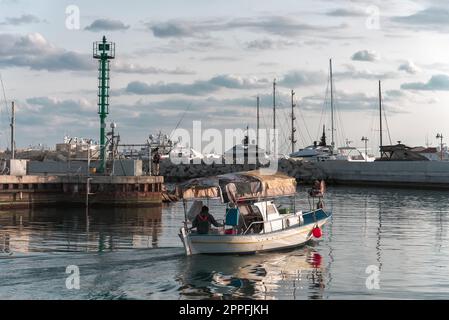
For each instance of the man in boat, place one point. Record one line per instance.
(203, 221)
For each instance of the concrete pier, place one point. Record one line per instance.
(28, 191)
(414, 174)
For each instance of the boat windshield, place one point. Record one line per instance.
(249, 214)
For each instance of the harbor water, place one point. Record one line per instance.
(380, 244)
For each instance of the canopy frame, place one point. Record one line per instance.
(238, 187)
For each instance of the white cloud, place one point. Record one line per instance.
(133, 68)
(107, 25)
(269, 44)
(35, 52)
(302, 78)
(351, 72)
(198, 87)
(435, 18)
(275, 25)
(409, 67)
(365, 55)
(346, 12)
(439, 82)
(21, 20)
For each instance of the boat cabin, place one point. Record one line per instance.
(251, 218)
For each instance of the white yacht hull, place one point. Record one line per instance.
(246, 244)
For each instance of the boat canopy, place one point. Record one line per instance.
(238, 187)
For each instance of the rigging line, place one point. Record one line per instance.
(374, 136)
(339, 117)
(266, 130)
(283, 128)
(386, 122)
(323, 113)
(342, 130)
(286, 127)
(373, 117)
(340, 125)
(282, 109)
(323, 110)
(303, 137)
(298, 123)
(180, 120)
(6, 105)
(305, 124)
(299, 135)
(286, 139)
(263, 118)
(262, 114)
(299, 130)
(4, 93)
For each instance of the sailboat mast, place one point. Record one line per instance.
(293, 121)
(274, 115)
(257, 124)
(13, 125)
(332, 105)
(380, 119)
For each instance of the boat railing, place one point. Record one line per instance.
(270, 223)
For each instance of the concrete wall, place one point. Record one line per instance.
(56, 167)
(17, 167)
(128, 167)
(121, 167)
(28, 191)
(386, 173)
(423, 173)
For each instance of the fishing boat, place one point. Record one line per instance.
(252, 221)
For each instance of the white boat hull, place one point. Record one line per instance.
(246, 244)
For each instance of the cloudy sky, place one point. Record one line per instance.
(208, 60)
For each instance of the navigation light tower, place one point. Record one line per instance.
(103, 51)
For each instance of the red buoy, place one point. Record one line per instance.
(317, 232)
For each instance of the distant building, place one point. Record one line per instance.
(78, 148)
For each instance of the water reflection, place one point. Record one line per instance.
(53, 229)
(403, 232)
(262, 276)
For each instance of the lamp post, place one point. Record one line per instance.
(440, 136)
(365, 139)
